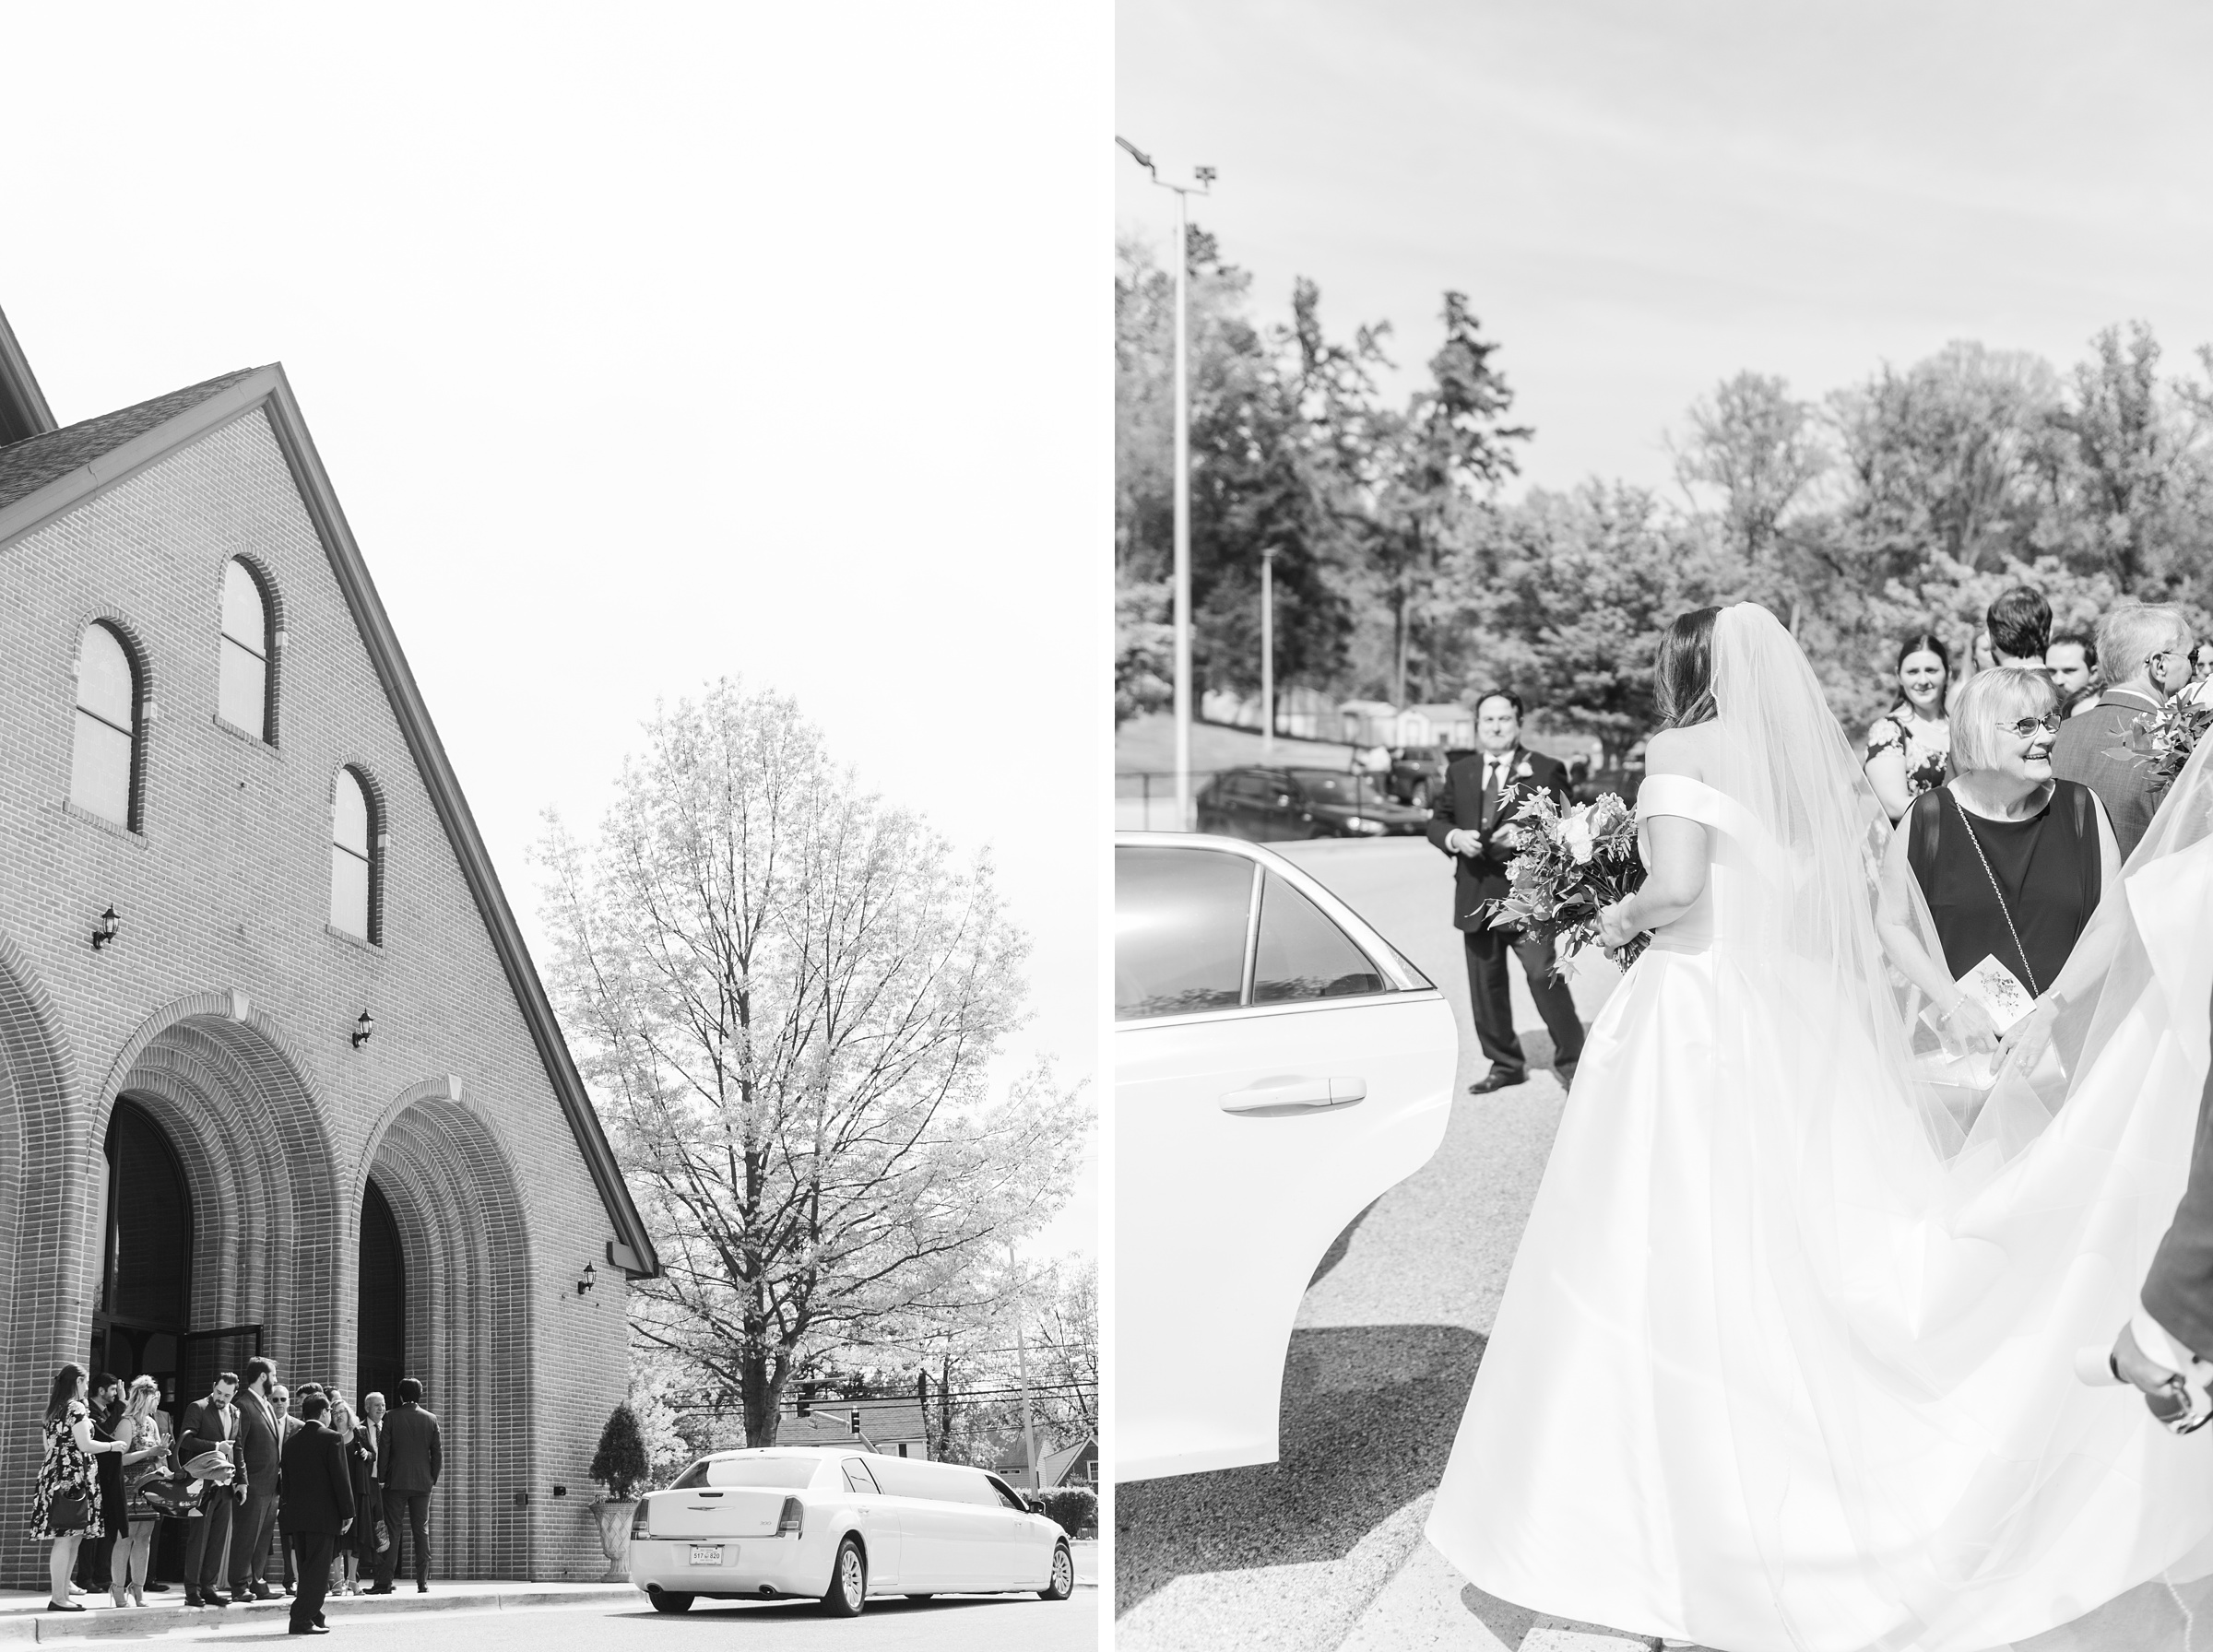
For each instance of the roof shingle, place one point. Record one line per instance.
(30, 464)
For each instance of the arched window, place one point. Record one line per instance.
(244, 698)
(353, 858)
(103, 779)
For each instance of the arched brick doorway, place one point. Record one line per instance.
(216, 1077)
(40, 1131)
(450, 1187)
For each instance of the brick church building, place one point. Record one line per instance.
(277, 1073)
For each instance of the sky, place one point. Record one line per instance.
(646, 344)
(1642, 199)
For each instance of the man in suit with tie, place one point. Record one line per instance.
(209, 1424)
(287, 1426)
(1470, 822)
(412, 1460)
(255, 1522)
(2144, 650)
(318, 1508)
(383, 1561)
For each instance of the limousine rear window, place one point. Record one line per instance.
(772, 1474)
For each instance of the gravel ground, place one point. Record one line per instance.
(1291, 1555)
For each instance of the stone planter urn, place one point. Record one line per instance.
(614, 1535)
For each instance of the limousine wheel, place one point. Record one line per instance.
(848, 1582)
(1064, 1575)
(666, 1601)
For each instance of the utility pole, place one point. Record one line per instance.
(1267, 651)
(1205, 176)
(1022, 1363)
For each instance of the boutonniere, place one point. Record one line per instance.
(1523, 771)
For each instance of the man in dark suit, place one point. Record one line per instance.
(371, 1439)
(318, 1507)
(255, 1522)
(209, 1424)
(412, 1460)
(1469, 821)
(2144, 650)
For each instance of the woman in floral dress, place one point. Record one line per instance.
(67, 1467)
(1910, 747)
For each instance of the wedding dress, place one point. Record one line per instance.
(1787, 1357)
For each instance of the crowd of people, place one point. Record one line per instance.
(255, 1470)
(2016, 798)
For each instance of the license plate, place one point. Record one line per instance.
(706, 1554)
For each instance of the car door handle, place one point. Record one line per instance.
(1295, 1094)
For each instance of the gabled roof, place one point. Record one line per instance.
(23, 409)
(36, 484)
(28, 464)
(830, 1422)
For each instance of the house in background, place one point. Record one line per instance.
(888, 1427)
(1072, 1465)
(1436, 725)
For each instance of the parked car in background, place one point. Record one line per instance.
(1622, 780)
(837, 1526)
(1268, 805)
(1278, 1068)
(1416, 772)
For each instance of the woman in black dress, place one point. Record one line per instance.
(2011, 859)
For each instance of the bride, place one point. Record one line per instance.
(1787, 1357)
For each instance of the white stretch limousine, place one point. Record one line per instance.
(839, 1525)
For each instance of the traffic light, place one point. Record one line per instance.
(857, 1424)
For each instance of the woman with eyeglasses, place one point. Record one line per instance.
(2011, 859)
(1910, 747)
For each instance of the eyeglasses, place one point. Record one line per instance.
(2028, 725)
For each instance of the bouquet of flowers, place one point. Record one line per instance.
(2165, 738)
(1566, 868)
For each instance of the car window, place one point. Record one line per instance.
(1321, 787)
(1303, 954)
(1179, 920)
(858, 1478)
(775, 1473)
(1007, 1497)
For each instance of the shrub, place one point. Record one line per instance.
(1074, 1508)
(621, 1464)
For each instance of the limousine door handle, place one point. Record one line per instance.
(1298, 1094)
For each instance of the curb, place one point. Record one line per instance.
(30, 1628)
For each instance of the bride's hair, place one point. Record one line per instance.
(1683, 670)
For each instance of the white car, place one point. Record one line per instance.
(1278, 1067)
(839, 1525)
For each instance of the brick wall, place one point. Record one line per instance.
(225, 1008)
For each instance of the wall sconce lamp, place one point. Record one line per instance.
(591, 1278)
(104, 931)
(362, 1027)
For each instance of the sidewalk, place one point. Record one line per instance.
(1428, 1604)
(24, 1619)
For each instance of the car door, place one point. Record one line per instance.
(880, 1525)
(1025, 1560)
(1278, 1068)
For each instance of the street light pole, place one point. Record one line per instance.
(1205, 176)
(1267, 651)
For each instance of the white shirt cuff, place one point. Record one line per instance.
(2157, 1346)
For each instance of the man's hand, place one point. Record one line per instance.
(2136, 1367)
(1461, 840)
(346, 1524)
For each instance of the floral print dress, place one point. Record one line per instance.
(64, 1468)
(1927, 749)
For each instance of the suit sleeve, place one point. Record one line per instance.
(189, 1444)
(2179, 1291)
(1442, 820)
(342, 1482)
(437, 1455)
(1555, 781)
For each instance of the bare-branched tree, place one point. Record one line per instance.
(786, 994)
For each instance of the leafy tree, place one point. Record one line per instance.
(1451, 447)
(620, 1463)
(1759, 450)
(788, 994)
(1566, 600)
